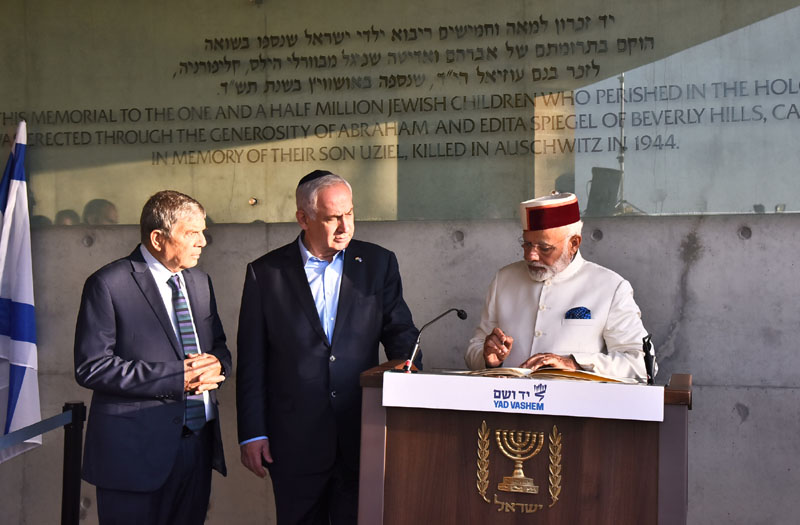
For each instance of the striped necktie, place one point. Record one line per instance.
(195, 416)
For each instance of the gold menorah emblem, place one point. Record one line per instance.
(518, 446)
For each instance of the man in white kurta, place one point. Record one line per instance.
(528, 317)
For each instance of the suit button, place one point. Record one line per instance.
(333, 393)
(177, 421)
(332, 358)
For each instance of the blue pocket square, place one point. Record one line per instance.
(579, 312)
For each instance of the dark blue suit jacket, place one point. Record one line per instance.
(126, 351)
(291, 383)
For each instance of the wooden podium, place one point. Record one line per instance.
(424, 466)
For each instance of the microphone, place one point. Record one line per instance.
(461, 315)
(649, 359)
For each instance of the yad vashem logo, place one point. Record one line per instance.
(519, 446)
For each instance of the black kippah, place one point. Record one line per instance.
(314, 175)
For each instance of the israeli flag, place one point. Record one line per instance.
(19, 384)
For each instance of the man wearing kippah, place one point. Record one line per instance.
(313, 315)
(555, 309)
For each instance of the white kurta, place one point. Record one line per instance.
(533, 314)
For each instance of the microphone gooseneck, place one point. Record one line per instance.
(461, 315)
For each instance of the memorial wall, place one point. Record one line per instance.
(444, 115)
(433, 110)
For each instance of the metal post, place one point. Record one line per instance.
(73, 448)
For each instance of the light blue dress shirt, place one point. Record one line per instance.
(325, 280)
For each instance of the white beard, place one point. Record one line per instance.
(542, 272)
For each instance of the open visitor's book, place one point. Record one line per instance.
(543, 373)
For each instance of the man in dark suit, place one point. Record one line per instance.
(150, 344)
(313, 314)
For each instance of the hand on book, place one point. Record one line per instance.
(562, 362)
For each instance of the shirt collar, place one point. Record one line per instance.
(306, 255)
(159, 271)
(571, 269)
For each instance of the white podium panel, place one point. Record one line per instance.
(524, 395)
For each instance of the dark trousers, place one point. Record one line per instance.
(183, 499)
(328, 498)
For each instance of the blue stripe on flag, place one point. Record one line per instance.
(5, 184)
(17, 321)
(15, 376)
(15, 170)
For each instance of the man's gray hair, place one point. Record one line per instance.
(306, 194)
(164, 209)
(573, 229)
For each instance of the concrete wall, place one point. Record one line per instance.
(717, 292)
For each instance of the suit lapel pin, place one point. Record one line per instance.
(358, 259)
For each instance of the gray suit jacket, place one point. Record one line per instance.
(126, 351)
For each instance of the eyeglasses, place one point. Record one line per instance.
(541, 248)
